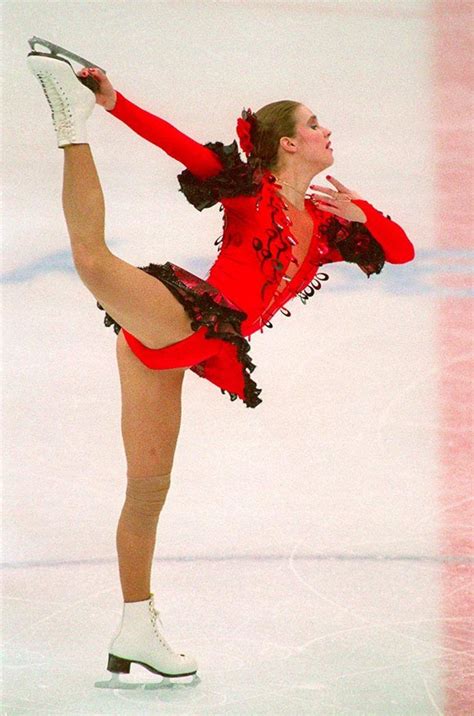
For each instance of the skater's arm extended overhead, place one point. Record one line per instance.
(201, 161)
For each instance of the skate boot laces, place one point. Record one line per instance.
(155, 616)
(55, 96)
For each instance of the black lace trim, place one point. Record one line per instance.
(109, 321)
(314, 285)
(355, 243)
(204, 304)
(277, 242)
(235, 179)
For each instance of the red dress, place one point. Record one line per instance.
(269, 252)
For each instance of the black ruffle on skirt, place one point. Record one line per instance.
(206, 306)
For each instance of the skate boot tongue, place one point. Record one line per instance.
(155, 615)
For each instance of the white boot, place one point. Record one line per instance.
(71, 102)
(140, 641)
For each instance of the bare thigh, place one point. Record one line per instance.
(137, 301)
(151, 413)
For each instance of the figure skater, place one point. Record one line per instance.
(276, 236)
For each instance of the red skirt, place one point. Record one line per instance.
(216, 350)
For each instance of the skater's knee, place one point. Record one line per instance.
(145, 497)
(90, 262)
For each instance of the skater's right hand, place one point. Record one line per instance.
(105, 95)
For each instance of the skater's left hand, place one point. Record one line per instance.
(338, 201)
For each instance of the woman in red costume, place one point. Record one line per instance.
(276, 237)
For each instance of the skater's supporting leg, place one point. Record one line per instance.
(151, 419)
(136, 533)
(134, 299)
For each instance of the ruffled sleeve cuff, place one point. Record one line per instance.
(355, 244)
(235, 179)
(391, 237)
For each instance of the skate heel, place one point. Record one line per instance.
(117, 665)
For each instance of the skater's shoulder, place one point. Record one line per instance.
(233, 181)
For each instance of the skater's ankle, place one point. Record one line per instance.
(128, 599)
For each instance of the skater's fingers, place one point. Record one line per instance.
(90, 70)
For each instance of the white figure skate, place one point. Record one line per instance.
(71, 102)
(139, 641)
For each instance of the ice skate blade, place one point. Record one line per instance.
(166, 683)
(57, 50)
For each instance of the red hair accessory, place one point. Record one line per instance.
(245, 125)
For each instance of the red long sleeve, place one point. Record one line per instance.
(200, 160)
(397, 246)
(204, 163)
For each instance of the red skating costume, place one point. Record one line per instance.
(269, 252)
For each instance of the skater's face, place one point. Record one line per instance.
(309, 145)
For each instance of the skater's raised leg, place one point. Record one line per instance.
(83, 204)
(135, 300)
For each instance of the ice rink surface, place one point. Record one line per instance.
(314, 553)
